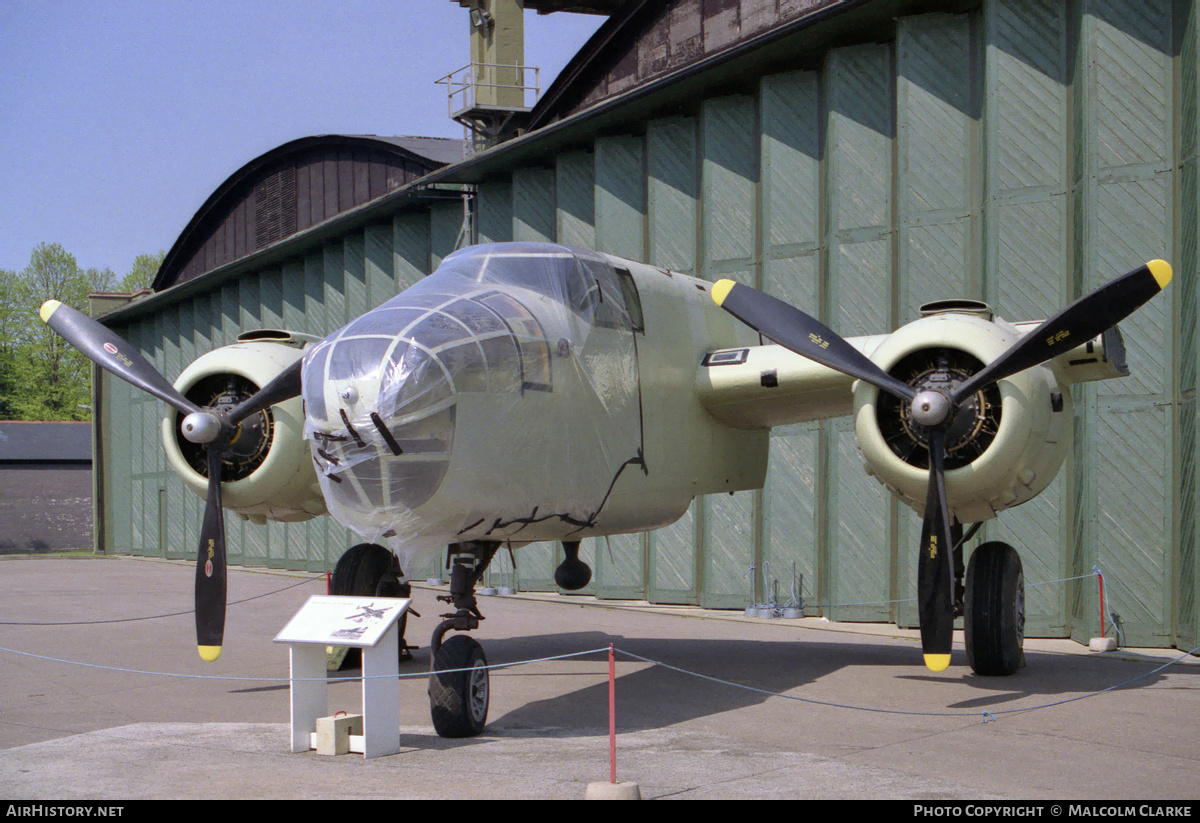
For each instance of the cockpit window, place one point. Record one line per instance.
(531, 340)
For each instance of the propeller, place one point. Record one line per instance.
(214, 429)
(936, 411)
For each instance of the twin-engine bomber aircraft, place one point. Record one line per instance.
(527, 392)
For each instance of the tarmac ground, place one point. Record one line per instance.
(116, 704)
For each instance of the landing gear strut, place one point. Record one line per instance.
(458, 677)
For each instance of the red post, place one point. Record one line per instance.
(1100, 576)
(612, 716)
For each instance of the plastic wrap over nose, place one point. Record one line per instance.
(385, 431)
(498, 392)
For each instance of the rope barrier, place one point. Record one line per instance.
(153, 616)
(987, 715)
(1095, 573)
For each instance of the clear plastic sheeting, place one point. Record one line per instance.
(496, 399)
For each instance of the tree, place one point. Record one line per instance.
(12, 333)
(42, 377)
(53, 378)
(145, 268)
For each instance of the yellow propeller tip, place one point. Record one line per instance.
(209, 653)
(48, 308)
(720, 290)
(1161, 270)
(937, 662)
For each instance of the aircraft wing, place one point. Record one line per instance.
(764, 386)
(756, 387)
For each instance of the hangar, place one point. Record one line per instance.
(856, 158)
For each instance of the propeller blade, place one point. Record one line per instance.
(803, 334)
(1090, 315)
(111, 353)
(284, 386)
(210, 567)
(935, 568)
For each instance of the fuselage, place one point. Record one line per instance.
(523, 392)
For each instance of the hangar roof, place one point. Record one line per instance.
(293, 187)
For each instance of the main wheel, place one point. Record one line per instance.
(458, 700)
(994, 614)
(370, 570)
(360, 570)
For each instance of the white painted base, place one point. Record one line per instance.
(1103, 644)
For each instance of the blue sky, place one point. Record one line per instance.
(118, 119)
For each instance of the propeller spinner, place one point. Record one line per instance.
(216, 431)
(936, 411)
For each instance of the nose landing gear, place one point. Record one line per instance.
(458, 677)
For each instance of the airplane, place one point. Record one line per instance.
(528, 392)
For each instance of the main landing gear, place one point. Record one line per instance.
(458, 677)
(371, 570)
(994, 614)
(992, 605)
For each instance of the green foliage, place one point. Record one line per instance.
(41, 376)
(145, 267)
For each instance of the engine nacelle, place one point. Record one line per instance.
(1006, 444)
(270, 476)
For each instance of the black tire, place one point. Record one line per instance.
(370, 570)
(360, 569)
(458, 700)
(994, 610)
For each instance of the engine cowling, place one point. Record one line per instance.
(270, 475)
(1007, 442)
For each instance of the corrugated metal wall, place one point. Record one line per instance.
(1020, 154)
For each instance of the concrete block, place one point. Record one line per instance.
(333, 733)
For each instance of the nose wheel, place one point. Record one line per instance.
(458, 677)
(458, 688)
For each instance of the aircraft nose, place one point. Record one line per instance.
(379, 415)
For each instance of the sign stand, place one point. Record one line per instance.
(367, 623)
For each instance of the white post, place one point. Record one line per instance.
(309, 692)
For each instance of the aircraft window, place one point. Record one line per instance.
(550, 274)
(475, 317)
(613, 297)
(633, 300)
(384, 320)
(531, 340)
(466, 366)
(358, 357)
(380, 480)
(422, 382)
(436, 329)
(504, 363)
